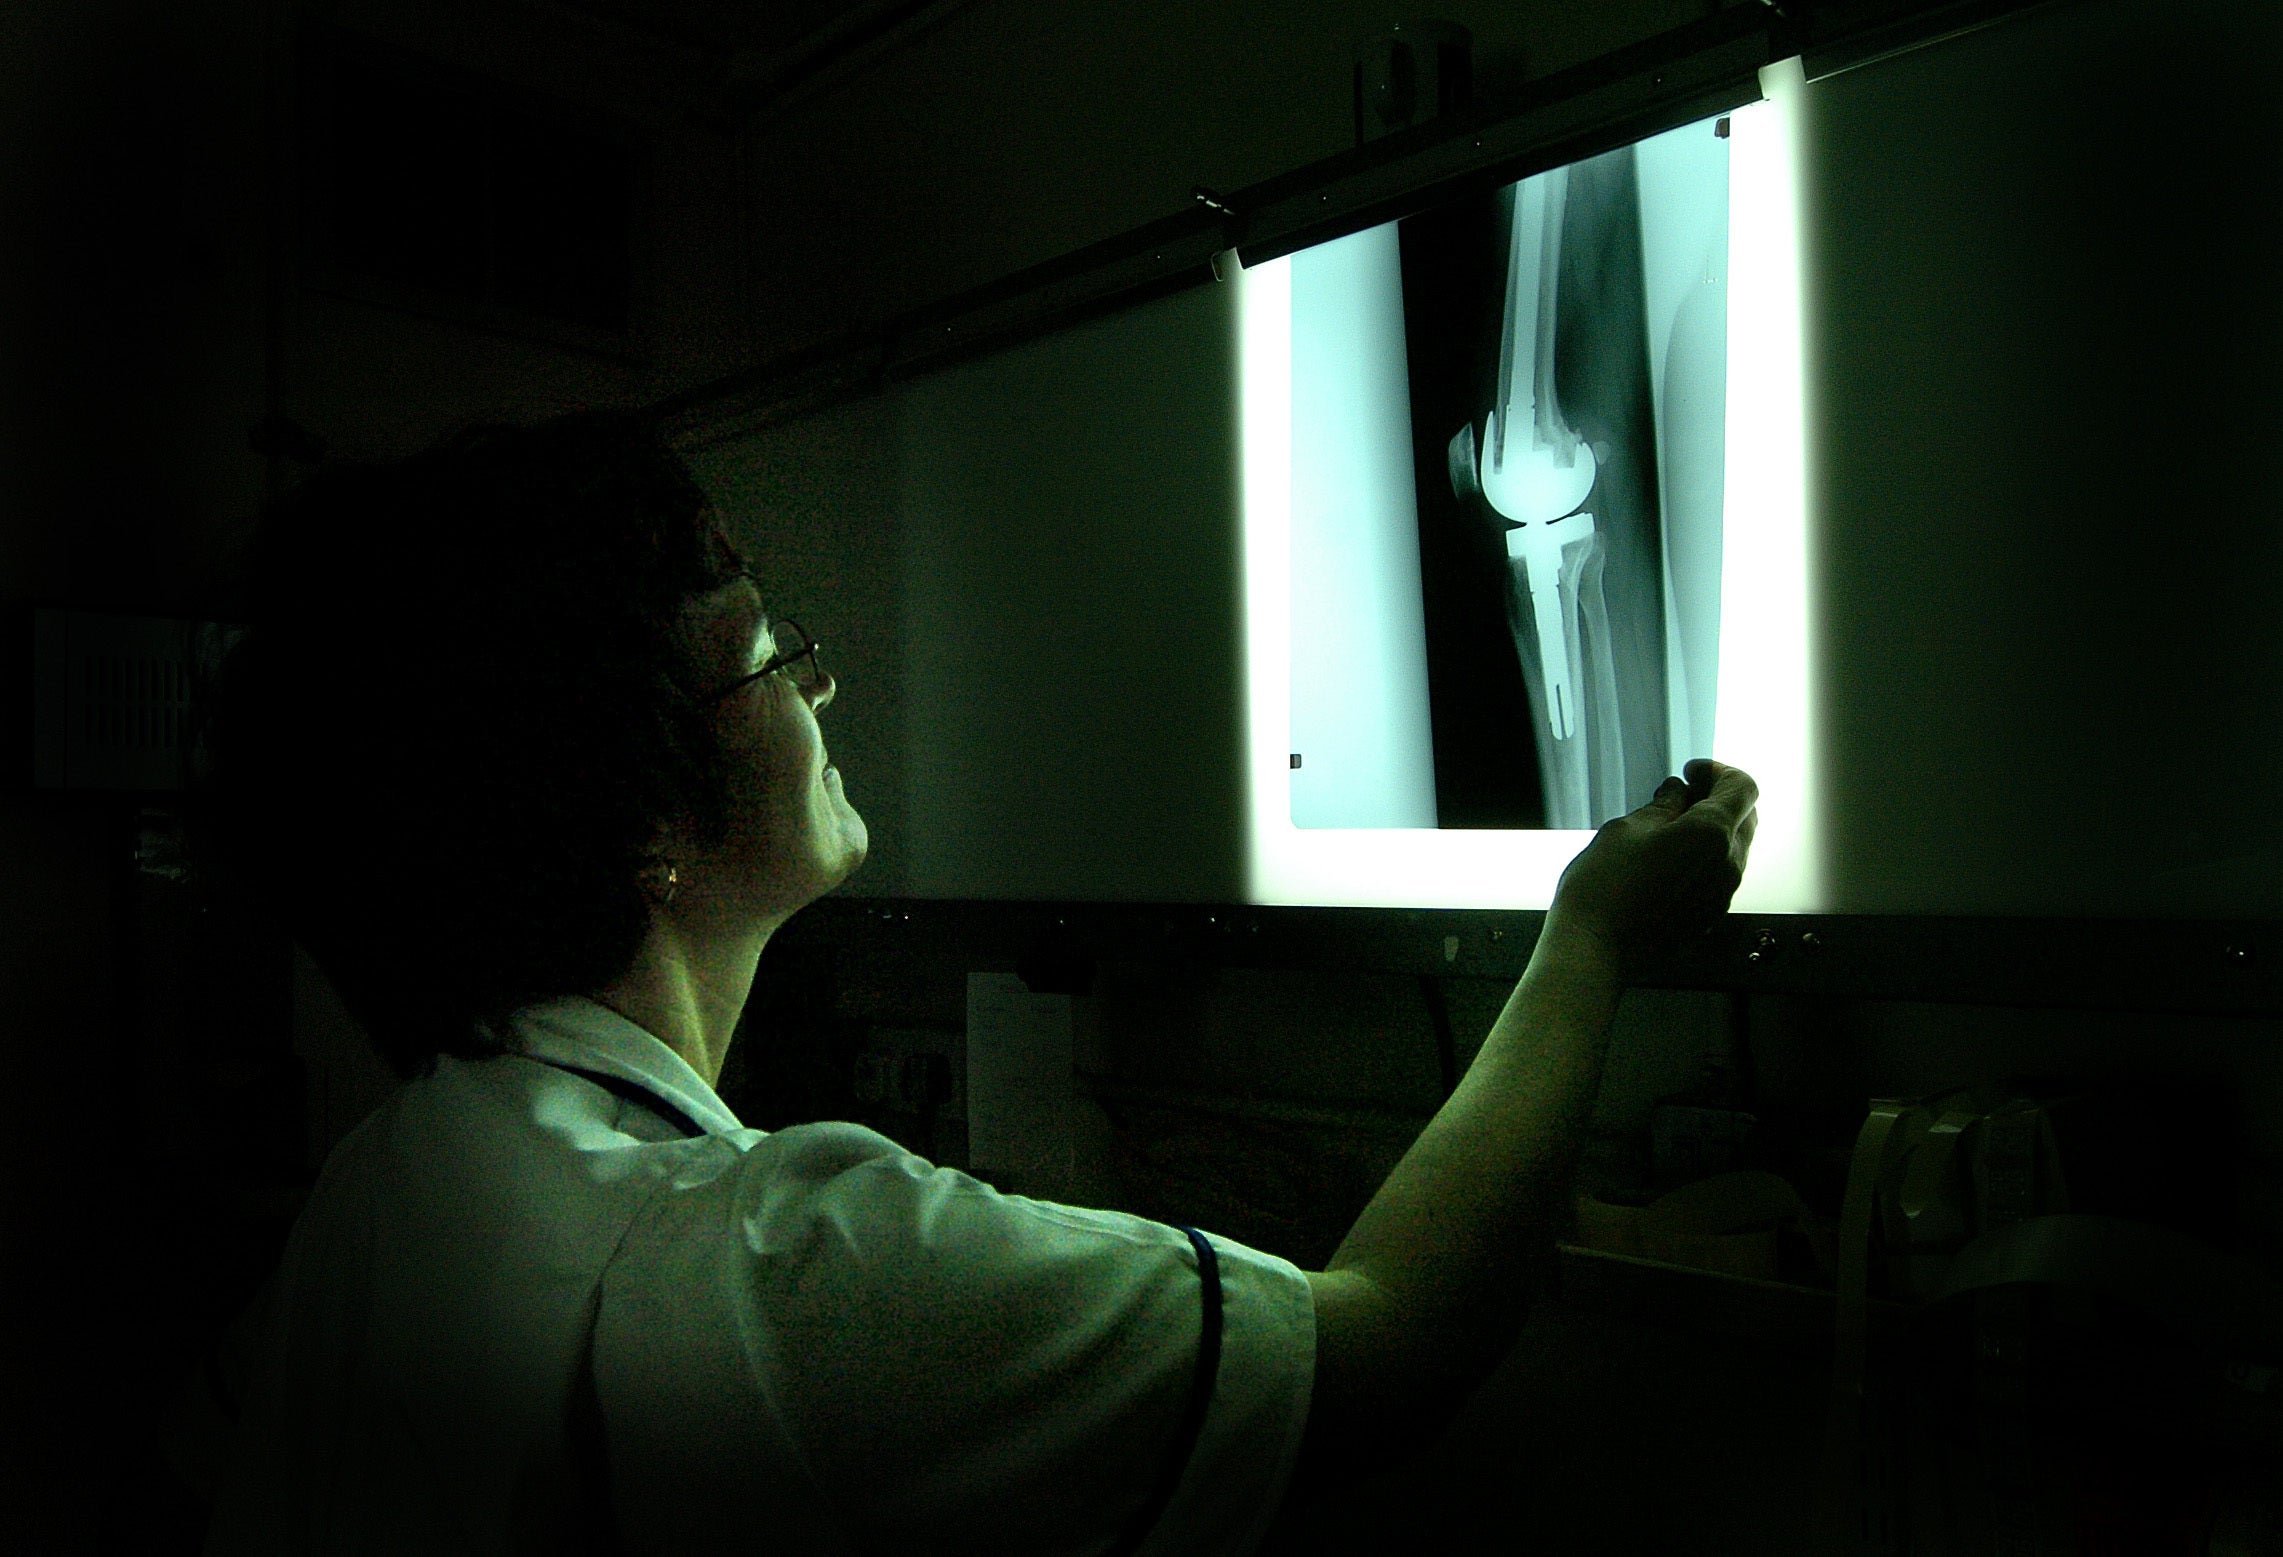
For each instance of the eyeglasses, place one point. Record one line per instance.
(795, 653)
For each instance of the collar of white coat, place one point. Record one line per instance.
(574, 1030)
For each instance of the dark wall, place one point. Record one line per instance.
(172, 1080)
(1025, 129)
(131, 237)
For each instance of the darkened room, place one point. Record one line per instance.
(1526, 799)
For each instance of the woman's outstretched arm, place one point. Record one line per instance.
(1426, 1293)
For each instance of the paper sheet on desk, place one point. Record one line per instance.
(1019, 1058)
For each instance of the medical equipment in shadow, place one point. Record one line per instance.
(2069, 1377)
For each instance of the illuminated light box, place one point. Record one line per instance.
(2000, 642)
(1092, 596)
(1524, 525)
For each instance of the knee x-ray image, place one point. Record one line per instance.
(1508, 439)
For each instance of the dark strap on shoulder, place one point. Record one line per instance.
(1184, 1443)
(631, 1092)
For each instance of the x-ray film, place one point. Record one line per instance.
(1508, 421)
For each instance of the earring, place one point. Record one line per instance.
(660, 880)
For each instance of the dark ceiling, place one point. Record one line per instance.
(762, 27)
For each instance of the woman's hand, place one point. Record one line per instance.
(1666, 871)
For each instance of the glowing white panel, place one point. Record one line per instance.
(1764, 688)
(1359, 632)
(1766, 672)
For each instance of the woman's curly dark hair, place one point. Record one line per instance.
(461, 712)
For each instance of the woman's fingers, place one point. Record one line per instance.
(1729, 792)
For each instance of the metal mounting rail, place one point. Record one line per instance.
(1691, 72)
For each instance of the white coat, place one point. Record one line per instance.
(522, 1312)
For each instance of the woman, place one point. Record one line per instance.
(516, 749)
